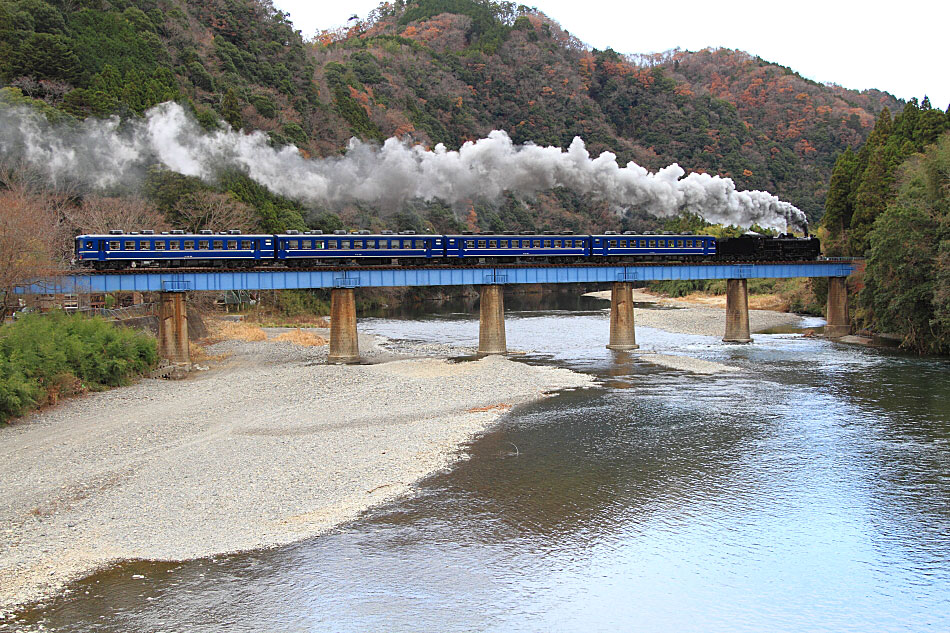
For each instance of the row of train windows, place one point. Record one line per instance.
(656, 243)
(524, 243)
(580, 243)
(293, 245)
(175, 245)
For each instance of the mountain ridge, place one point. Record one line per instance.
(439, 71)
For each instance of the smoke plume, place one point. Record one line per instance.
(106, 153)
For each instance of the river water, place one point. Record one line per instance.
(808, 492)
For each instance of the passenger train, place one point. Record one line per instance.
(232, 249)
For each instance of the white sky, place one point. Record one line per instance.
(900, 48)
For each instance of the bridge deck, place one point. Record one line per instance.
(377, 277)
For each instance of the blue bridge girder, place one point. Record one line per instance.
(382, 277)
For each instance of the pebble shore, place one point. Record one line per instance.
(269, 447)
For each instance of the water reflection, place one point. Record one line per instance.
(808, 492)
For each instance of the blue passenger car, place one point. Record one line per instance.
(175, 248)
(502, 245)
(314, 245)
(614, 245)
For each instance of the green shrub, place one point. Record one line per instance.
(299, 302)
(44, 357)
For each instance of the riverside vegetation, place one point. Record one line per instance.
(47, 357)
(890, 202)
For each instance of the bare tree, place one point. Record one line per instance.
(99, 214)
(214, 211)
(30, 236)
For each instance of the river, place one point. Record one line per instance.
(808, 492)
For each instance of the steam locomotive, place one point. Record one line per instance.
(232, 249)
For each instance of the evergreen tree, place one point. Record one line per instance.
(871, 197)
(839, 206)
(230, 111)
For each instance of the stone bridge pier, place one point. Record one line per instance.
(737, 312)
(836, 309)
(173, 327)
(344, 341)
(622, 333)
(491, 320)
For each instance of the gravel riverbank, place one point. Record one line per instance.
(269, 447)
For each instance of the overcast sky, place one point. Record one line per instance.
(900, 48)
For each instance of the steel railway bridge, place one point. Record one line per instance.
(343, 281)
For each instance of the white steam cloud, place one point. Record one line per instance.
(105, 153)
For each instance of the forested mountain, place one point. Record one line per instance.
(436, 71)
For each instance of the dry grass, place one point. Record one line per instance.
(199, 354)
(756, 302)
(236, 330)
(303, 320)
(299, 337)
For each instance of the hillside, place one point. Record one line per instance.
(438, 71)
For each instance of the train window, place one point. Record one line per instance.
(652, 243)
(232, 245)
(547, 243)
(370, 243)
(89, 245)
(247, 245)
(613, 243)
(144, 246)
(344, 243)
(114, 246)
(492, 243)
(204, 245)
(557, 243)
(130, 245)
(318, 244)
(536, 243)
(218, 244)
(174, 245)
(159, 246)
(189, 245)
(469, 243)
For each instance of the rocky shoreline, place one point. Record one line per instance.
(268, 447)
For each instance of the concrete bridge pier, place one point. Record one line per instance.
(836, 310)
(622, 333)
(737, 312)
(173, 327)
(344, 344)
(491, 320)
